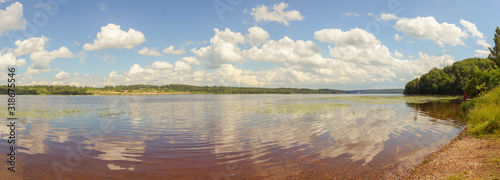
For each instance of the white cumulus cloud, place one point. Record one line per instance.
(31, 45)
(355, 37)
(9, 60)
(429, 28)
(223, 49)
(256, 35)
(62, 75)
(191, 60)
(171, 50)
(287, 52)
(149, 52)
(42, 59)
(397, 54)
(388, 16)
(12, 18)
(471, 28)
(161, 65)
(262, 13)
(111, 36)
(482, 53)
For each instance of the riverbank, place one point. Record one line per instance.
(465, 157)
(473, 154)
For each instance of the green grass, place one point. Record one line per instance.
(484, 114)
(493, 166)
(459, 176)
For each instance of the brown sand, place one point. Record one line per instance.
(465, 157)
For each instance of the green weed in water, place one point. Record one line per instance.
(307, 109)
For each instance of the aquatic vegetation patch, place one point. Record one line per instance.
(398, 99)
(307, 108)
(25, 114)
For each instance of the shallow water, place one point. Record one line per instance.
(219, 136)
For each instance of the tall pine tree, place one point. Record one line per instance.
(495, 51)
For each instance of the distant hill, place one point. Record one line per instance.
(377, 91)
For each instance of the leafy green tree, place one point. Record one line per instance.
(495, 51)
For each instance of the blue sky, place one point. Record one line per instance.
(313, 44)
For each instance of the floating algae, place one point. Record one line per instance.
(25, 114)
(307, 108)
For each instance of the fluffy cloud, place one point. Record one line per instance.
(287, 52)
(9, 60)
(31, 45)
(355, 37)
(369, 59)
(62, 75)
(228, 74)
(429, 28)
(357, 57)
(262, 13)
(397, 54)
(182, 66)
(191, 60)
(422, 65)
(41, 59)
(257, 35)
(111, 36)
(223, 49)
(149, 52)
(377, 54)
(482, 53)
(482, 42)
(160, 72)
(32, 70)
(170, 50)
(471, 28)
(12, 18)
(161, 65)
(388, 16)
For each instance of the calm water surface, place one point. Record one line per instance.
(225, 136)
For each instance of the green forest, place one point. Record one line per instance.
(473, 76)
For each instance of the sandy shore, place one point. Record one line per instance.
(465, 157)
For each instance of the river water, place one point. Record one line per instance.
(225, 136)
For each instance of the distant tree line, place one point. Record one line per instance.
(47, 90)
(73, 90)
